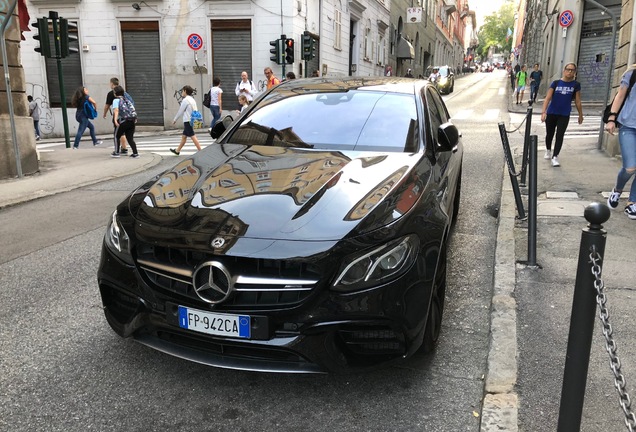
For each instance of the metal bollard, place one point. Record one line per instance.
(511, 167)
(532, 203)
(582, 321)
(526, 143)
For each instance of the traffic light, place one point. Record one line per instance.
(276, 51)
(289, 51)
(68, 39)
(306, 46)
(42, 25)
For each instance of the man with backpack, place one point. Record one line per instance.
(522, 77)
(114, 82)
(245, 87)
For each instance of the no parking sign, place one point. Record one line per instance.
(566, 18)
(195, 41)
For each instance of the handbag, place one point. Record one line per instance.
(207, 100)
(607, 112)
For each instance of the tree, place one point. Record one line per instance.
(494, 31)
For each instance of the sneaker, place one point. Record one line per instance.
(75, 148)
(175, 152)
(114, 154)
(134, 155)
(612, 201)
(124, 151)
(555, 162)
(98, 142)
(37, 138)
(630, 211)
(547, 155)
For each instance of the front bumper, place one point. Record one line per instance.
(327, 332)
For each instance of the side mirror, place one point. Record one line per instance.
(221, 126)
(447, 137)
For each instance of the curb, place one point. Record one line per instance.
(501, 404)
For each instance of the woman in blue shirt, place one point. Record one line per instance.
(557, 107)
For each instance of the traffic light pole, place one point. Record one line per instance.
(53, 15)
(283, 38)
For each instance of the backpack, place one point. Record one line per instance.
(196, 118)
(207, 100)
(89, 109)
(126, 110)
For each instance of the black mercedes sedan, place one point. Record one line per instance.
(311, 237)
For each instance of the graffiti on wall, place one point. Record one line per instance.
(595, 72)
(47, 120)
(177, 95)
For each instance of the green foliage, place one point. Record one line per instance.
(495, 28)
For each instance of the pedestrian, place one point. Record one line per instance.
(271, 78)
(521, 78)
(557, 107)
(316, 73)
(409, 73)
(125, 118)
(188, 105)
(290, 75)
(78, 100)
(535, 81)
(110, 96)
(245, 87)
(34, 112)
(625, 121)
(216, 101)
(243, 102)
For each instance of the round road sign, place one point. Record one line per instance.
(195, 41)
(566, 18)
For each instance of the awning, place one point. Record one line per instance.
(405, 49)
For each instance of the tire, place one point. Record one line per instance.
(436, 307)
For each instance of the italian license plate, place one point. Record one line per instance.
(217, 324)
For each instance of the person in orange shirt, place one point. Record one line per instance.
(271, 78)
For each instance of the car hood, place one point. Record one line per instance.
(264, 192)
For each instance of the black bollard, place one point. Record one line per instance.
(526, 143)
(532, 203)
(511, 167)
(577, 358)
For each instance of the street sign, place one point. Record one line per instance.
(566, 18)
(195, 41)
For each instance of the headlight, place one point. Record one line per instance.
(117, 240)
(378, 266)
(443, 80)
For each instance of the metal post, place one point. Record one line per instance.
(513, 178)
(53, 15)
(532, 203)
(582, 321)
(5, 64)
(526, 143)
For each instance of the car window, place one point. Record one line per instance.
(348, 120)
(436, 111)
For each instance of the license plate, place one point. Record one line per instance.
(227, 325)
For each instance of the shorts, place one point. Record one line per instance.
(521, 88)
(187, 129)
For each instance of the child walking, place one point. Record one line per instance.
(188, 104)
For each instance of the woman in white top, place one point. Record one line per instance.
(188, 104)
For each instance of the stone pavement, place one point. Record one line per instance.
(531, 305)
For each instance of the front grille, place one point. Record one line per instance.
(373, 341)
(258, 283)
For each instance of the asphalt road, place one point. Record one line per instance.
(63, 369)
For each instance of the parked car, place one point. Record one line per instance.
(446, 82)
(311, 237)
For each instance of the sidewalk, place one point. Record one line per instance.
(532, 305)
(65, 169)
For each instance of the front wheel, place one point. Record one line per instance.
(436, 307)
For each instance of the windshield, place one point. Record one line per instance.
(348, 120)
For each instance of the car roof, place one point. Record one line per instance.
(335, 84)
